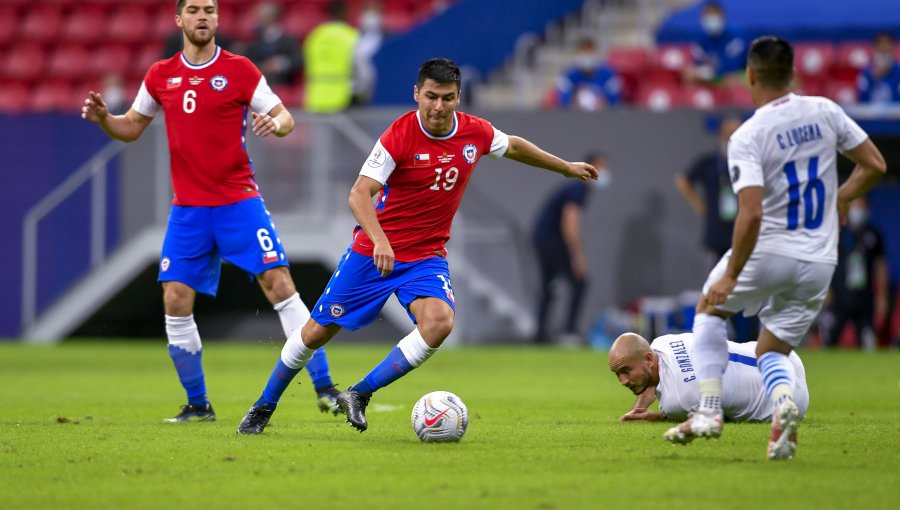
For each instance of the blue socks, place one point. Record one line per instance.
(778, 376)
(281, 377)
(190, 373)
(317, 367)
(393, 367)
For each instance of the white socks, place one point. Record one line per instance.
(182, 333)
(710, 346)
(293, 314)
(414, 348)
(295, 354)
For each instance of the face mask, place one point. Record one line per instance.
(713, 24)
(604, 179)
(586, 62)
(370, 21)
(883, 60)
(857, 217)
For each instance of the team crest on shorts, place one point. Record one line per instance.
(337, 311)
(164, 264)
(218, 83)
(469, 152)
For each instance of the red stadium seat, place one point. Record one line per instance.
(228, 20)
(14, 97)
(24, 61)
(140, 64)
(813, 60)
(659, 96)
(398, 21)
(667, 62)
(110, 58)
(700, 97)
(843, 92)
(129, 24)
(42, 23)
(301, 18)
(852, 57)
(811, 87)
(54, 95)
(162, 23)
(737, 95)
(69, 61)
(244, 26)
(9, 24)
(84, 25)
(631, 65)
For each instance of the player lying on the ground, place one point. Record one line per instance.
(664, 370)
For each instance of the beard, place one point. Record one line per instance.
(197, 40)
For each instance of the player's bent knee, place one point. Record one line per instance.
(178, 299)
(315, 335)
(436, 327)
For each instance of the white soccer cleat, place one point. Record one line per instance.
(699, 424)
(783, 442)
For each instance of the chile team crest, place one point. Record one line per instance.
(470, 152)
(218, 83)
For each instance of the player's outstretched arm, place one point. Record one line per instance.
(870, 167)
(523, 151)
(361, 204)
(640, 410)
(278, 122)
(127, 127)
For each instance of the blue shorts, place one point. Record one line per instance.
(357, 291)
(198, 238)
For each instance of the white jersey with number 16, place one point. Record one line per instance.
(788, 147)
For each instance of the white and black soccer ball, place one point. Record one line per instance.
(440, 417)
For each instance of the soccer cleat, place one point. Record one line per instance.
(255, 420)
(699, 424)
(328, 399)
(192, 412)
(783, 441)
(353, 404)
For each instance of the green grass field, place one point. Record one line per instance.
(81, 428)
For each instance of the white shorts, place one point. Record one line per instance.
(786, 293)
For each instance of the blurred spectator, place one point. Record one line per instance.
(275, 53)
(328, 54)
(113, 92)
(371, 34)
(589, 85)
(557, 239)
(859, 288)
(719, 55)
(880, 82)
(718, 206)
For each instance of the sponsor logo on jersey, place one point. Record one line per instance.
(218, 83)
(195, 80)
(377, 159)
(164, 264)
(270, 256)
(735, 173)
(470, 152)
(173, 83)
(337, 311)
(422, 159)
(445, 158)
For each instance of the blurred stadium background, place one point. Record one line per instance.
(84, 217)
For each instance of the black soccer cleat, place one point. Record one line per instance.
(193, 412)
(353, 404)
(327, 399)
(255, 420)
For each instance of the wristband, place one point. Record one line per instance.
(277, 126)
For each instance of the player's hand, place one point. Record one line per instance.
(579, 266)
(720, 290)
(641, 414)
(94, 108)
(581, 170)
(264, 125)
(383, 255)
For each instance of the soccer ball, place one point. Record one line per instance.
(440, 417)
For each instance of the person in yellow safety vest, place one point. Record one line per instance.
(328, 55)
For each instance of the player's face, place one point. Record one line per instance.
(437, 101)
(199, 20)
(633, 373)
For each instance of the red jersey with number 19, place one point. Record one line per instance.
(205, 107)
(424, 177)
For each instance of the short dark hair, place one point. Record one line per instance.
(441, 70)
(179, 5)
(772, 59)
(884, 34)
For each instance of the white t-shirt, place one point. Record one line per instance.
(788, 147)
(743, 395)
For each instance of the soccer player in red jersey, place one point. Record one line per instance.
(218, 212)
(419, 169)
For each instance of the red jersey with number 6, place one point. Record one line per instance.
(205, 107)
(424, 177)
